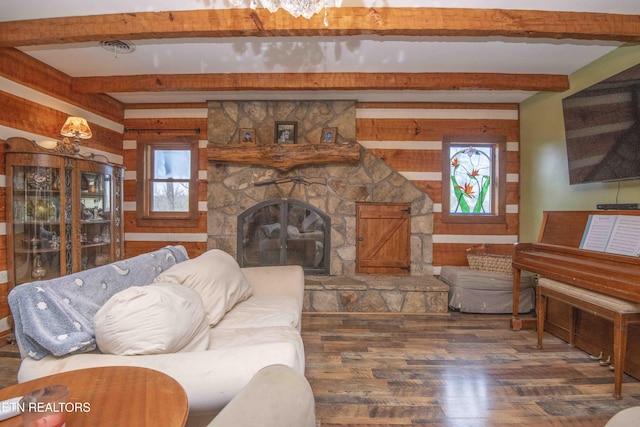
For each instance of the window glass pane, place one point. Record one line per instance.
(170, 197)
(174, 164)
(471, 180)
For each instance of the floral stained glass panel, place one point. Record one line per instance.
(471, 180)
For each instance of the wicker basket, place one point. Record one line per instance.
(481, 260)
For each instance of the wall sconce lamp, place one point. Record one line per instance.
(78, 128)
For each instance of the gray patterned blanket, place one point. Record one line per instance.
(56, 316)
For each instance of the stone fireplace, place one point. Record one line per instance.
(334, 189)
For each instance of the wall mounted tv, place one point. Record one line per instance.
(602, 129)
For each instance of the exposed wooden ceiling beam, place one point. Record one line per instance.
(25, 70)
(320, 81)
(342, 22)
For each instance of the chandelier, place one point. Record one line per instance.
(305, 8)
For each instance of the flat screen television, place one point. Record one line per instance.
(602, 129)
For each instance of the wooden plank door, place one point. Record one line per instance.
(383, 232)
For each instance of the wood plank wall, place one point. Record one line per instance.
(406, 136)
(409, 138)
(163, 120)
(4, 285)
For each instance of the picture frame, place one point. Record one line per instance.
(247, 135)
(286, 132)
(329, 135)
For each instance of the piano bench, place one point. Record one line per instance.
(621, 312)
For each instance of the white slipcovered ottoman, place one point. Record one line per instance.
(474, 291)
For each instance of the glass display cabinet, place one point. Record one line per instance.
(64, 212)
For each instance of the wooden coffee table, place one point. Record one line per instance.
(116, 396)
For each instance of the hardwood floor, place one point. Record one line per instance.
(443, 370)
(9, 364)
(452, 370)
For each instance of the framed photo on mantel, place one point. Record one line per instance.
(247, 135)
(329, 135)
(286, 132)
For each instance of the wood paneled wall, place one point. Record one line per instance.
(164, 120)
(4, 285)
(409, 137)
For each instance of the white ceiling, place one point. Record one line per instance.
(319, 54)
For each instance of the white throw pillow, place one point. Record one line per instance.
(216, 276)
(152, 319)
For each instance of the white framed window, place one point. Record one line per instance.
(167, 185)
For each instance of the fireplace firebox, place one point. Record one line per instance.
(285, 232)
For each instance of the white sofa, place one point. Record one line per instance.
(260, 331)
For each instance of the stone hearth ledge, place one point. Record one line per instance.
(376, 294)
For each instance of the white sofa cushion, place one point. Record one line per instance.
(153, 319)
(247, 338)
(216, 276)
(262, 311)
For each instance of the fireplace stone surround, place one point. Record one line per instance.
(333, 189)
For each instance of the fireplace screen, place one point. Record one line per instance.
(284, 232)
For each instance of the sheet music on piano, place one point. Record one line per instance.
(616, 234)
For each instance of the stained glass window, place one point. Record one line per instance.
(471, 174)
(474, 180)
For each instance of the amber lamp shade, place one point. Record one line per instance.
(76, 127)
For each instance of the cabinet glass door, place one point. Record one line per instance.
(36, 223)
(95, 219)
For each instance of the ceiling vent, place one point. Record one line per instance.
(118, 46)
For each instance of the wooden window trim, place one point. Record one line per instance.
(499, 189)
(146, 218)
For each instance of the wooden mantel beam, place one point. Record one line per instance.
(451, 22)
(321, 81)
(284, 157)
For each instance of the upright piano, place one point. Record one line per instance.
(557, 255)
